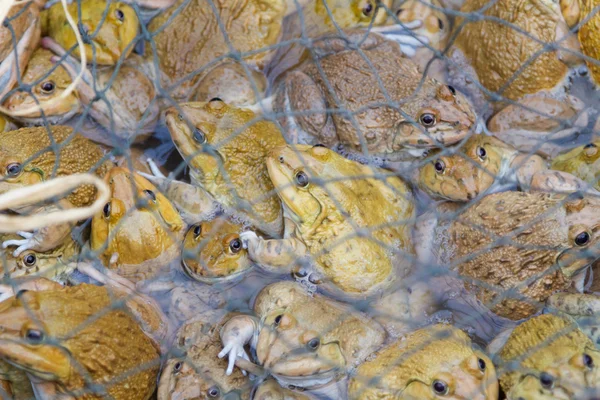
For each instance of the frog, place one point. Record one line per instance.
(437, 362)
(186, 52)
(554, 360)
(49, 82)
(138, 231)
(198, 372)
(23, 27)
(88, 341)
(213, 251)
(580, 307)
(327, 199)
(129, 109)
(6, 124)
(110, 29)
(307, 341)
(432, 114)
(211, 136)
(485, 162)
(581, 161)
(14, 383)
(504, 239)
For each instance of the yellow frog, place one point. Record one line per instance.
(109, 28)
(138, 231)
(581, 161)
(554, 360)
(226, 147)
(352, 220)
(437, 362)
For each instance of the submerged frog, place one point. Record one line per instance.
(138, 230)
(187, 51)
(555, 361)
(226, 147)
(22, 26)
(327, 200)
(534, 244)
(303, 340)
(432, 114)
(108, 28)
(87, 343)
(437, 362)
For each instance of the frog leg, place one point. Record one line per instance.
(560, 182)
(47, 390)
(403, 34)
(36, 284)
(8, 66)
(583, 307)
(235, 334)
(274, 255)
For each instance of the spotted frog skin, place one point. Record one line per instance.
(89, 343)
(433, 114)
(437, 362)
(225, 148)
(302, 340)
(138, 231)
(555, 361)
(182, 47)
(551, 242)
(111, 36)
(321, 193)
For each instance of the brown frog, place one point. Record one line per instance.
(225, 148)
(437, 362)
(138, 232)
(391, 114)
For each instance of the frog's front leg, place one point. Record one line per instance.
(274, 255)
(560, 182)
(583, 307)
(47, 390)
(235, 334)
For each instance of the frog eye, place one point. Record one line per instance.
(235, 245)
(120, 15)
(30, 260)
(440, 387)
(34, 335)
(427, 119)
(197, 231)
(588, 361)
(278, 319)
(177, 367)
(319, 145)
(150, 194)
(400, 10)
(582, 239)
(213, 392)
(180, 117)
(441, 26)
(546, 380)
(215, 99)
(368, 9)
(313, 344)
(199, 136)
(301, 179)
(481, 153)
(106, 210)
(590, 149)
(481, 364)
(13, 169)
(450, 88)
(47, 87)
(439, 166)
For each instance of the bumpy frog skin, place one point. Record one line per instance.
(582, 162)
(213, 251)
(24, 21)
(321, 192)
(589, 35)
(15, 382)
(226, 149)
(187, 51)
(437, 362)
(26, 157)
(301, 339)
(433, 114)
(555, 361)
(49, 83)
(552, 242)
(139, 230)
(110, 27)
(90, 337)
(201, 374)
(581, 307)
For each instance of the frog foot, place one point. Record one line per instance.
(235, 334)
(264, 106)
(154, 168)
(247, 237)
(402, 34)
(29, 242)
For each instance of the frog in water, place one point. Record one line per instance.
(23, 27)
(225, 148)
(437, 362)
(484, 162)
(110, 28)
(65, 336)
(392, 114)
(327, 199)
(138, 230)
(555, 361)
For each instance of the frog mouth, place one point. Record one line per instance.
(308, 382)
(231, 278)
